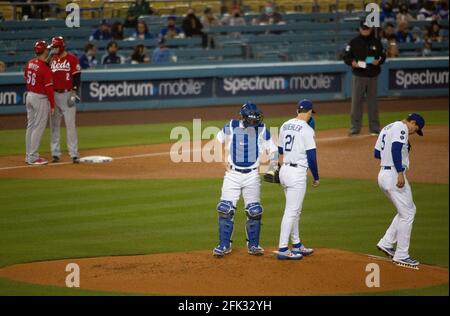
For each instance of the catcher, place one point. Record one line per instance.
(245, 139)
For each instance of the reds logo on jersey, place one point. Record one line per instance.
(64, 66)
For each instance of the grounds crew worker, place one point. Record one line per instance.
(365, 54)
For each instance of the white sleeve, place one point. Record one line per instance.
(378, 143)
(308, 139)
(221, 136)
(281, 138)
(399, 133)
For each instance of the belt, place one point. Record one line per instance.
(242, 170)
(295, 165)
(386, 167)
(62, 91)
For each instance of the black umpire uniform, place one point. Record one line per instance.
(365, 54)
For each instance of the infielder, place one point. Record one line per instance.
(246, 139)
(39, 101)
(392, 148)
(297, 150)
(66, 76)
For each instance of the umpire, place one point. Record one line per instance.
(365, 54)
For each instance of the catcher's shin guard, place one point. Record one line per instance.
(253, 225)
(226, 223)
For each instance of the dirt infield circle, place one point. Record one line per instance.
(328, 271)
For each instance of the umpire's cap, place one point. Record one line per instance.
(420, 121)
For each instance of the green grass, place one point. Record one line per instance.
(52, 219)
(13, 141)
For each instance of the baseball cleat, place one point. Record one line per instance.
(390, 252)
(221, 251)
(55, 159)
(303, 251)
(75, 160)
(256, 250)
(288, 255)
(407, 263)
(39, 162)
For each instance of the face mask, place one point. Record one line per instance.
(269, 10)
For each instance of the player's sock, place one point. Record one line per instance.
(283, 249)
(299, 245)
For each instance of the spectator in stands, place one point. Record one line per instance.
(2, 67)
(142, 32)
(433, 32)
(403, 34)
(117, 31)
(426, 51)
(103, 33)
(234, 19)
(209, 19)
(140, 7)
(193, 27)
(427, 12)
(87, 59)
(392, 48)
(387, 32)
(162, 54)
(403, 14)
(111, 57)
(171, 30)
(140, 55)
(442, 10)
(270, 15)
(414, 4)
(387, 14)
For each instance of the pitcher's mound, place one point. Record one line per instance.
(328, 271)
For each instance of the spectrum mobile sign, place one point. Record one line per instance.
(98, 91)
(285, 84)
(406, 79)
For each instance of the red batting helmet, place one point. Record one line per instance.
(58, 42)
(40, 47)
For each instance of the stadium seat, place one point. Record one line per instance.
(7, 10)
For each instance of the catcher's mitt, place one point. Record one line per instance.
(272, 176)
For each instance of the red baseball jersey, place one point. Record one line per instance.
(38, 76)
(63, 69)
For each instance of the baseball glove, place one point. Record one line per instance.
(73, 98)
(272, 175)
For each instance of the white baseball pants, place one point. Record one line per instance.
(400, 230)
(293, 180)
(234, 182)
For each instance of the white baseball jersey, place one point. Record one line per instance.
(394, 132)
(245, 144)
(296, 137)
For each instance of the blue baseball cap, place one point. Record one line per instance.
(420, 121)
(305, 105)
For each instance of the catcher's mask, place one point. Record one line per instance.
(251, 115)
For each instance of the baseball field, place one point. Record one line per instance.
(143, 224)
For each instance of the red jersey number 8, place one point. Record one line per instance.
(31, 78)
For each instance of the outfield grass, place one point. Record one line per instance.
(13, 141)
(52, 219)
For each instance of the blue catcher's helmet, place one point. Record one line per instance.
(251, 115)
